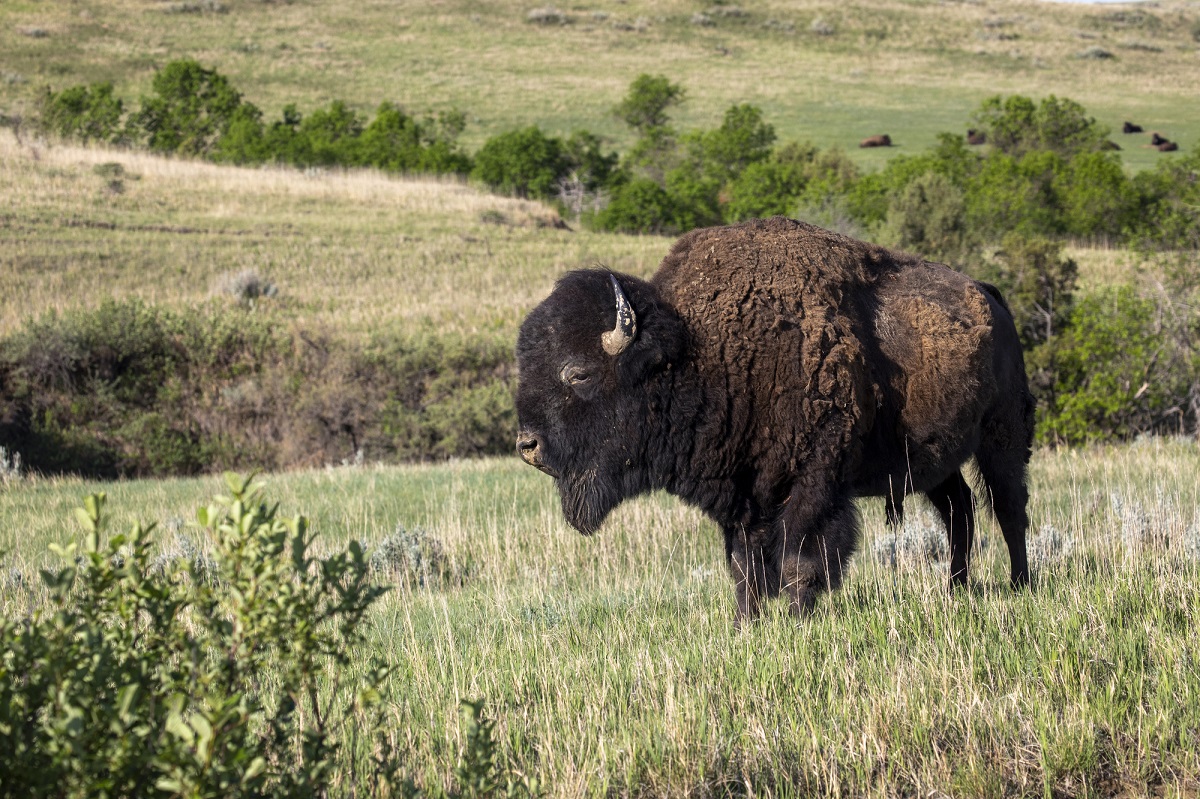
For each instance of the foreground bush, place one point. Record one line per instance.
(239, 674)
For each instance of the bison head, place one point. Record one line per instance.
(594, 359)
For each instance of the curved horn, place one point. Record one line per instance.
(621, 336)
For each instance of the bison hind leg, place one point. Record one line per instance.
(1003, 473)
(956, 505)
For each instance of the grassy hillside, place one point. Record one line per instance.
(612, 666)
(910, 69)
(354, 253)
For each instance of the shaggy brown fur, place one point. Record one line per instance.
(778, 371)
(1166, 147)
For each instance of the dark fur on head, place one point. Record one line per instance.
(572, 411)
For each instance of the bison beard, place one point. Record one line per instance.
(769, 373)
(586, 501)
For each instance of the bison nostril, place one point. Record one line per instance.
(526, 445)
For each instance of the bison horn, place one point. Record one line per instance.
(621, 336)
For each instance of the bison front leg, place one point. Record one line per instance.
(750, 571)
(817, 545)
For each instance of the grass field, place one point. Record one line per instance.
(910, 69)
(612, 665)
(352, 253)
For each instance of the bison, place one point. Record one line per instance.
(769, 373)
(1129, 127)
(976, 137)
(1166, 146)
(1157, 139)
(882, 140)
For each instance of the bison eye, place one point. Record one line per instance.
(574, 375)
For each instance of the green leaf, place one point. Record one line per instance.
(85, 519)
(257, 766)
(125, 700)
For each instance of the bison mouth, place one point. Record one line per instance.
(586, 500)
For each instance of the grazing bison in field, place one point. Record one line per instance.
(1166, 146)
(1131, 128)
(1157, 139)
(769, 373)
(882, 140)
(976, 137)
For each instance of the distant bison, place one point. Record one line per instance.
(1157, 139)
(1166, 147)
(882, 140)
(1129, 127)
(769, 373)
(1109, 145)
(976, 137)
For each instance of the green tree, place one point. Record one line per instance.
(1017, 194)
(772, 186)
(1098, 199)
(929, 218)
(1115, 376)
(525, 162)
(1015, 125)
(645, 106)
(640, 206)
(189, 110)
(87, 113)
(1039, 283)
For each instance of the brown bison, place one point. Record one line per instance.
(976, 137)
(769, 373)
(882, 140)
(1166, 146)
(1131, 128)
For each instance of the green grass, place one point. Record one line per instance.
(351, 253)
(613, 668)
(910, 69)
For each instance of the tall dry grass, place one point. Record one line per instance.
(612, 666)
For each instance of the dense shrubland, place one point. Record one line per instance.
(133, 390)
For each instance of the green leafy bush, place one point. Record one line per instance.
(1039, 284)
(189, 110)
(641, 206)
(87, 113)
(242, 673)
(644, 107)
(1017, 194)
(525, 163)
(1096, 197)
(1015, 125)
(1120, 371)
(929, 218)
(772, 185)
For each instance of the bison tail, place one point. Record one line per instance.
(996, 295)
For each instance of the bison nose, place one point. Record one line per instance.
(527, 448)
